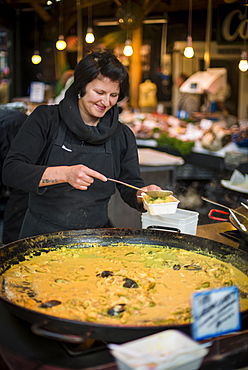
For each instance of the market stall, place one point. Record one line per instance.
(208, 136)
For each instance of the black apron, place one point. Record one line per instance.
(62, 207)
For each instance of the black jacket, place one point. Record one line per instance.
(16, 201)
(26, 161)
(10, 123)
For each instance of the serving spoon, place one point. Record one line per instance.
(232, 212)
(244, 205)
(151, 193)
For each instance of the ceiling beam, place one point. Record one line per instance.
(149, 5)
(45, 16)
(87, 3)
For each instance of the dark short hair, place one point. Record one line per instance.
(104, 63)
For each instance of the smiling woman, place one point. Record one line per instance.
(64, 153)
(100, 96)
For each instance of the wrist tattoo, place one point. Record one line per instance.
(47, 181)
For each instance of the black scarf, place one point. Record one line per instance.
(69, 112)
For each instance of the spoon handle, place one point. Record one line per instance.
(151, 193)
(232, 212)
(242, 226)
(244, 205)
(217, 204)
(221, 205)
(124, 183)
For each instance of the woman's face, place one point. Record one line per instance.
(100, 95)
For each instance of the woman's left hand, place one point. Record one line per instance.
(145, 188)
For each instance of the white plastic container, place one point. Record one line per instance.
(168, 349)
(166, 208)
(184, 220)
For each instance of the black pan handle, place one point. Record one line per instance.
(39, 329)
(164, 228)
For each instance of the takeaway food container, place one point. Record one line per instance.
(166, 208)
(169, 349)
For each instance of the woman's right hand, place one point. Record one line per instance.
(81, 177)
(78, 176)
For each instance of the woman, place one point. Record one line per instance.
(64, 153)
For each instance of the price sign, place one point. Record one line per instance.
(215, 312)
(37, 92)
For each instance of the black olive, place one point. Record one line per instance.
(176, 267)
(116, 310)
(105, 274)
(129, 283)
(49, 304)
(192, 267)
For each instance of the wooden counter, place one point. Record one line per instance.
(212, 231)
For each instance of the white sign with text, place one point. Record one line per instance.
(215, 312)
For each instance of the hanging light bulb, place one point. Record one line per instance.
(36, 58)
(189, 51)
(89, 38)
(128, 50)
(243, 64)
(61, 44)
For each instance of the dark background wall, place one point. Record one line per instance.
(21, 27)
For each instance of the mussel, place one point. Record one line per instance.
(116, 310)
(31, 293)
(129, 283)
(50, 304)
(176, 267)
(105, 274)
(192, 267)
